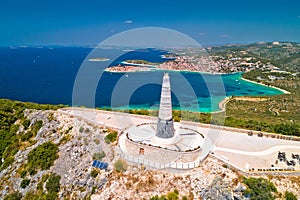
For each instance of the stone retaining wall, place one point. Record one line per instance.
(161, 155)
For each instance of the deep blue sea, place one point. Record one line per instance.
(47, 75)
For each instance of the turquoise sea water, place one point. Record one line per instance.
(47, 75)
(209, 90)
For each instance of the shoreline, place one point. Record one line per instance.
(108, 70)
(153, 69)
(140, 64)
(222, 104)
(277, 88)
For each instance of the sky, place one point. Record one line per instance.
(89, 22)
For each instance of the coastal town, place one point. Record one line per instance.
(214, 60)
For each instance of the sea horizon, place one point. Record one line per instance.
(95, 45)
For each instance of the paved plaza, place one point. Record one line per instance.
(234, 146)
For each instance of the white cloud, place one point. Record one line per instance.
(128, 21)
(202, 34)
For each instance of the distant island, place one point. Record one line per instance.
(98, 59)
(139, 62)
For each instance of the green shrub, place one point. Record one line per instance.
(99, 156)
(156, 197)
(65, 139)
(23, 173)
(139, 112)
(7, 162)
(184, 198)
(26, 136)
(287, 129)
(94, 173)
(259, 188)
(25, 182)
(176, 119)
(93, 189)
(81, 129)
(290, 196)
(10, 112)
(32, 171)
(53, 185)
(31, 196)
(37, 126)
(14, 151)
(26, 123)
(50, 117)
(120, 166)
(111, 137)
(13, 196)
(40, 184)
(50, 196)
(172, 196)
(43, 156)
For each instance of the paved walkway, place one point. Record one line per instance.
(260, 153)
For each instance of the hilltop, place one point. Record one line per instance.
(39, 130)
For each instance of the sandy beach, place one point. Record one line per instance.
(282, 90)
(222, 104)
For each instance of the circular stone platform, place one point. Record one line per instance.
(184, 139)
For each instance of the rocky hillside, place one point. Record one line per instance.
(51, 154)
